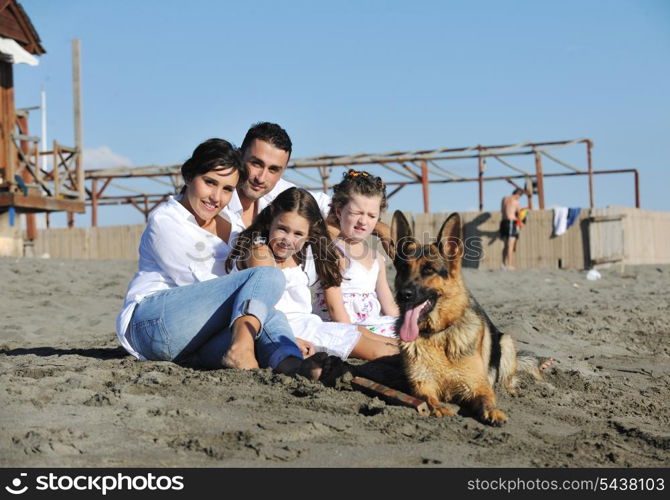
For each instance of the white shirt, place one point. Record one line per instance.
(337, 339)
(297, 297)
(174, 251)
(233, 211)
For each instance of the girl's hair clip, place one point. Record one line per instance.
(357, 173)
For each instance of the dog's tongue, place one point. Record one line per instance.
(409, 330)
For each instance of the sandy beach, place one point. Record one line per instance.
(70, 396)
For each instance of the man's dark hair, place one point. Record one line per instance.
(268, 132)
(518, 191)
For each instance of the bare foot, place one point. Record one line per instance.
(241, 353)
(546, 364)
(320, 367)
(240, 357)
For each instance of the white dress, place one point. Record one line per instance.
(359, 294)
(333, 338)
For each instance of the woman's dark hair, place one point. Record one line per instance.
(213, 154)
(324, 252)
(357, 182)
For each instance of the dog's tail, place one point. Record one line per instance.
(527, 362)
(512, 363)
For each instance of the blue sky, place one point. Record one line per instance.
(365, 76)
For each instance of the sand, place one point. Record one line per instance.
(70, 396)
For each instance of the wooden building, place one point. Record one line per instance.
(25, 187)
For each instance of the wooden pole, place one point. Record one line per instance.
(324, 178)
(7, 117)
(78, 139)
(54, 171)
(424, 184)
(529, 192)
(540, 179)
(481, 182)
(146, 208)
(31, 224)
(94, 202)
(588, 157)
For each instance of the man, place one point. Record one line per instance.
(509, 226)
(266, 151)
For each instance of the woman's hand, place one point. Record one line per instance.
(306, 348)
(259, 254)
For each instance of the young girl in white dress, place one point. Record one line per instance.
(291, 234)
(364, 298)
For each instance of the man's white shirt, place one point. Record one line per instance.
(233, 211)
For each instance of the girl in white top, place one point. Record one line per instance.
(364, 298)
(291, 234)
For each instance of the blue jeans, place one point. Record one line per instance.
(193, 323)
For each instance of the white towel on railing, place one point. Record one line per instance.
(560, 220)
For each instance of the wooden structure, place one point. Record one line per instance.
(408, 167)
(25, 187)
(592, 240)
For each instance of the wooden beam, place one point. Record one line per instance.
(35, 203)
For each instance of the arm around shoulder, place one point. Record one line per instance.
(259, 255)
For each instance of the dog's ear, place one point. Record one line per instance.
(400, 227)
(401, 232)
(450, 240)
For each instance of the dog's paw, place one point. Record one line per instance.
(442, 409)
(511, 390)
(494, 416)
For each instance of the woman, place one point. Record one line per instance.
(181, 307)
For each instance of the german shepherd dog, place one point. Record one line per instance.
(450, 349)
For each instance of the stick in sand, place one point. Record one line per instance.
(390, 395)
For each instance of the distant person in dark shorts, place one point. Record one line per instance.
(510, 226)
